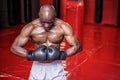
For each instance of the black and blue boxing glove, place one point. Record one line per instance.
(53, 53)
(38, 54)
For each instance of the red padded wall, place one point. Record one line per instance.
(89, 11)
(110, 10)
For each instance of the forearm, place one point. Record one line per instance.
(20, 51)
(73, 50)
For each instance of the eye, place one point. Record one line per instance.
(51, 23)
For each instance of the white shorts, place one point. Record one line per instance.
(47, 71)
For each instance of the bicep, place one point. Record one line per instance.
(20, 40)
(69, 35)
(23, 37)
(72, 40)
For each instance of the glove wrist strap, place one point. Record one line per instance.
(63, 55)
(29, 55)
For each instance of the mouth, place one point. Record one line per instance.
(47, 29)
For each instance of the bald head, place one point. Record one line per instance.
(47, 12)
(47, 16)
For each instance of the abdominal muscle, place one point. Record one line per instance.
(46, 44)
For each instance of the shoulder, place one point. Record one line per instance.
(63, 24)
(31, 25)
(36, 21)
(28, 28)
(66, 27)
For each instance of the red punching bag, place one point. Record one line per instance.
(73, 13)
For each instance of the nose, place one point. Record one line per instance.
(46, 25)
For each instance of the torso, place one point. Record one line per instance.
(52, 37)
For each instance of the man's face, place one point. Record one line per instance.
(47, 23)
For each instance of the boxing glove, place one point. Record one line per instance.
(39, 54)
(63, 55)
(53, 53)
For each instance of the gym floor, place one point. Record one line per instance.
(99, 59)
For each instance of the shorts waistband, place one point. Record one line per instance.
(46, 63)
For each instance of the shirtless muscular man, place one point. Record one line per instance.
(46, 32)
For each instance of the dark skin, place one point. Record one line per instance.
(46, 30)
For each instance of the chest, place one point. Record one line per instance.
(53, 36)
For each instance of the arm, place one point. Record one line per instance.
(71, 39)
(18, 45)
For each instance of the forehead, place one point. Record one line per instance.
(46, 16)
(47, 19)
